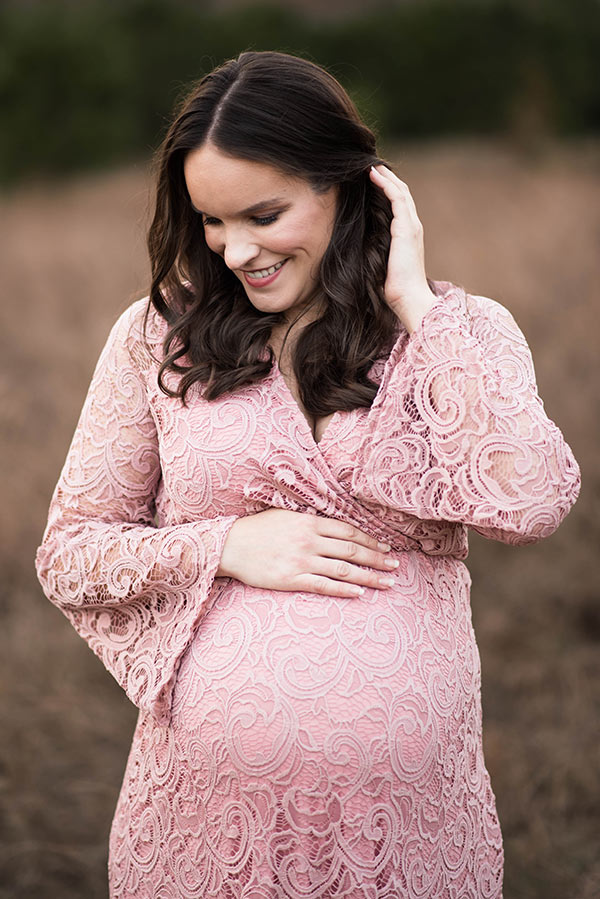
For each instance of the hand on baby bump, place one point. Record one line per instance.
(283, 550)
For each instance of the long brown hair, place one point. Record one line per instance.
(216, 337)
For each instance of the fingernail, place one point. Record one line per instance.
(384, 547)
(392, 563)
(358, 591)
(386, 581)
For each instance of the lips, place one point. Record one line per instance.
(263, 276)
(265, 272)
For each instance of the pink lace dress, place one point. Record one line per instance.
(289, 744)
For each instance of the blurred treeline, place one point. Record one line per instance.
(91, 84)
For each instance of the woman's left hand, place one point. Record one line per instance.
(406, 290)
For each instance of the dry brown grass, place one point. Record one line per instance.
(523, 230)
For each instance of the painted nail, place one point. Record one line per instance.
(384, 547)
(358, 591)
(386, 581)
(392, 563)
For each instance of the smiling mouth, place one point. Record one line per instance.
(264, 272)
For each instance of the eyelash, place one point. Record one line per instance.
(267, 219)
(258, 220)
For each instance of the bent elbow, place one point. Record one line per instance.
(534, 522)
(538, 523)
(59, 571)
(543, 518)
(43, 562)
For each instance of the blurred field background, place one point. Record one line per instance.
(492, 117)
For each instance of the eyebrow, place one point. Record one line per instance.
(257, 207)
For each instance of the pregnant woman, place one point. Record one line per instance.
(261, 524)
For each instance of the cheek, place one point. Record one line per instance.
(318, 228)
(213, 243)
(285, 239)
(305, 235)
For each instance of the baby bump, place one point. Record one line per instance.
(351, 683)
(322, 747)
(326, 743)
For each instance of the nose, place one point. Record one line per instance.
(239, 248)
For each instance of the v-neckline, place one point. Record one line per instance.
(293, 403)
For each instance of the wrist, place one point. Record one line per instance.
(411, 310)
(228, 553)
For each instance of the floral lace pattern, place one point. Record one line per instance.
(289, 744)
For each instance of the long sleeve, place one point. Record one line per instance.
(458, 432)
(134, 591)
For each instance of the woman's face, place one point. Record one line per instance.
(270, 228)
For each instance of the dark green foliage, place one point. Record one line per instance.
(90, 84)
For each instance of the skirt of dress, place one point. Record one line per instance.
(318, 747)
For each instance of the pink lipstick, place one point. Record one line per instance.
(267, 279)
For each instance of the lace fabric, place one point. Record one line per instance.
(290, 744)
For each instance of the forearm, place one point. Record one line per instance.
(412, 309)
(92, 563)
(459, 433)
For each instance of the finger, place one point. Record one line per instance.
(350, 551)
(341, 530)
(338, 570)
(381, 177)
(388, 175)
(393, 187)
(324, 586)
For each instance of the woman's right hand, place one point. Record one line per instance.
(283, 550)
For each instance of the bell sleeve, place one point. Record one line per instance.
(458, 432)
(134, 591)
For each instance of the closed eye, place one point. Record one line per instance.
(266, 219)
(257, 219)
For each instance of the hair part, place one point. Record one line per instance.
(290, 113)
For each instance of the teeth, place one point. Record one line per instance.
(265, 272)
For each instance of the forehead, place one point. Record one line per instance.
(228, 184)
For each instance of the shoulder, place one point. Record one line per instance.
(491, 324)
(483, 313)
(139, 330)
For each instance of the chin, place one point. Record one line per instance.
(267, 308)
(271, 308)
